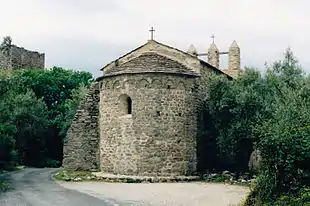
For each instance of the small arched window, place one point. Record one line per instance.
(125, 105)
(129, 105)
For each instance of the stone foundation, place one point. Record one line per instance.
(139, 179)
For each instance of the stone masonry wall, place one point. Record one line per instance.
(22, 58)
(234, 57)
(214, 56)
(5, 61)
(159, 137)
(81, 149)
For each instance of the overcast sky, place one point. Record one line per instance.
(87, 34)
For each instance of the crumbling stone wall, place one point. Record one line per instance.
(20, 58)
(159, 137)
(81, 149)
(5, 61)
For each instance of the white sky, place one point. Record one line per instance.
(87, 34)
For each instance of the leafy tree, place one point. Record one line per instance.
(22, 119)
(37, 107)
(6, 45)
(30, 117)
(268, 112)
(285, 136)
(231, 111)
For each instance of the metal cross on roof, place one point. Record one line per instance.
(213, 37)
(152, 30)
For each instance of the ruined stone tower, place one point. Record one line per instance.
(14, 57)
(234, 60)
(141, 115)
(214, 56)
(234, 56)
(234, 67)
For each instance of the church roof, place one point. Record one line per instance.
(155, 53)
(151, 62)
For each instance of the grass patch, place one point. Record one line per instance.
(4, 171)
(64, 175)
(227, 179)
(71, 176)
(77, 176)
(4, 185)
(17, 168)
(222, 178)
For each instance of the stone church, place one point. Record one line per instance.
(141, 116)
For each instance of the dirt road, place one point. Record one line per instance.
(34, 187)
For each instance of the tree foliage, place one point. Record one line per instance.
(284, 138)
(269, 112)
(231, 110)
(36, 109)
(6, 45)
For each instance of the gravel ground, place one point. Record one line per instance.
(163, 194)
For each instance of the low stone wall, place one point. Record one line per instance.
(81, 149)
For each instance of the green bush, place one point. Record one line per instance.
(284, 138)
(270, 113)
(51, 163)
(221, 178)
(230, 112)
(36, 109)
(300, 199)
(4, 185)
